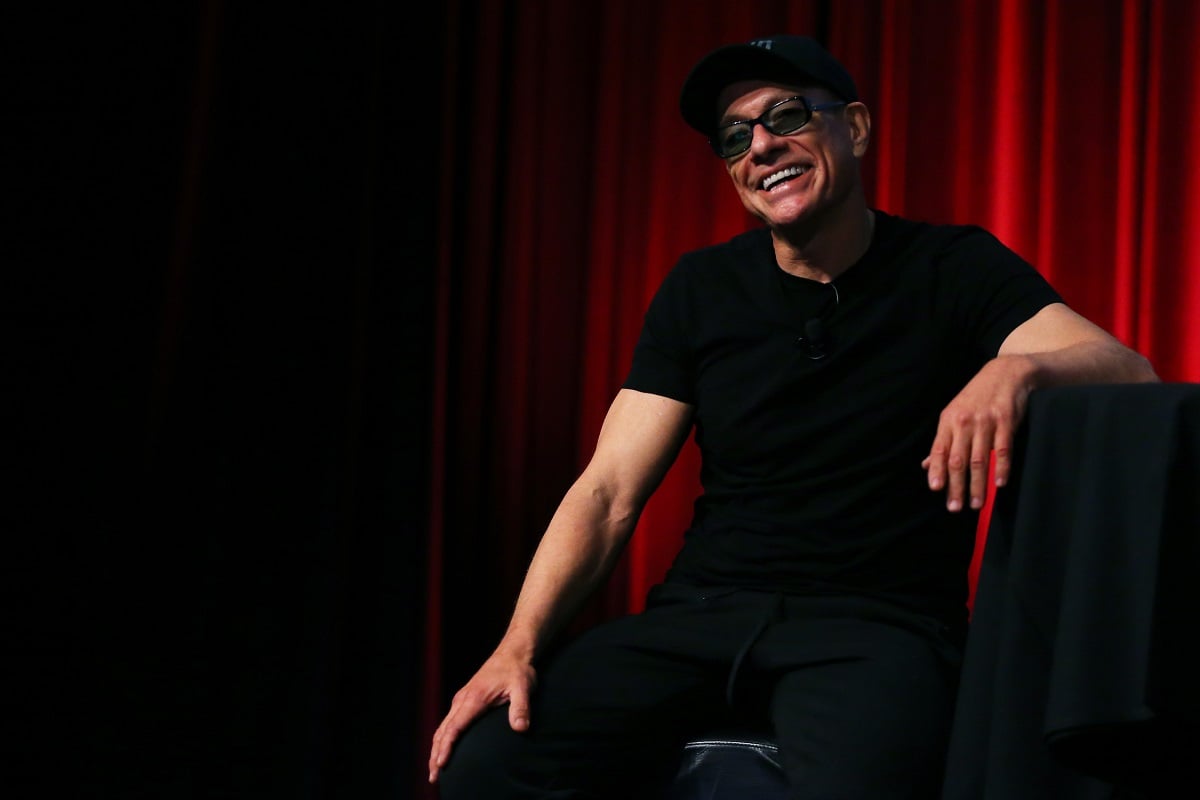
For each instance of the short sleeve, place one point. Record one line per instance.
(663, 360)
(992, 289)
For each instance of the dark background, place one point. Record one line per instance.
(219, 228)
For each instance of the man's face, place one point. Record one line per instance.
(797, 177)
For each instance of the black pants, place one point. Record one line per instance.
(859, 695)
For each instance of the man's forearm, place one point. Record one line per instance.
(1090, 362)
(577, 553)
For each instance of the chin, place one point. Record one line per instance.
(783, 217)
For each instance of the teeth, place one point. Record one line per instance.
(790, 172)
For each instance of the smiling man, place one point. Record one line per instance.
(847, 373)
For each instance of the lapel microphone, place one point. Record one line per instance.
(813, 340)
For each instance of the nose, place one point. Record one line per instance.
(761, 139)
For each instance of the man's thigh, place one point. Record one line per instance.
(860, 708)
(611, 708)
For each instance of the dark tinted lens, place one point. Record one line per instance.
(733, 139)
(787, 117)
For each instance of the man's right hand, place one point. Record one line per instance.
(640, 438)
(501, 679)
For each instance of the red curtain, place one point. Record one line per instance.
(570, 185)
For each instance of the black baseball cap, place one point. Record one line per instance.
(788, 59)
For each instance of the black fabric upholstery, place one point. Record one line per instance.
(1080, 675)
(729, 764)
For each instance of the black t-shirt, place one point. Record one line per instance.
(811, 467)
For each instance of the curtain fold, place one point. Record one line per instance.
(1064, 127)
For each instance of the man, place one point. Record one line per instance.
(848, 374)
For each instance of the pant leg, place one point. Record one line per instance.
(862, 709)
(611, 710)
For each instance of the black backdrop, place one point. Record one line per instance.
(219, 238)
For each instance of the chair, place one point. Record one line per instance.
(737, 763)
(1079, 678)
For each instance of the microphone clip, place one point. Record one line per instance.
(813, 340)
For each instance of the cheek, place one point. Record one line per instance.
(738, 176)
(841, 155)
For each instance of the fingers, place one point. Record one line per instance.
(960, 460)
(980, 420)
(1002, 448)
(518, 711)
(978, 463)
(463, 710)
(469, 703)
(956, 472)
(443, 741)
(935, 466)
(1003, 465)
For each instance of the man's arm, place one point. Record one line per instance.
(640, 439)
(1055, 347)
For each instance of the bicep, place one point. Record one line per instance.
(1054, 327)
(639, 440)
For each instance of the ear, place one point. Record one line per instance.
(858, 120)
